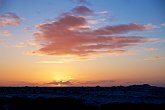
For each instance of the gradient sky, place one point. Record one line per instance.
(82, 42)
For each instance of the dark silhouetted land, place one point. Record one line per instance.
(135, 97)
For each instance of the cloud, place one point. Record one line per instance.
(65, 60)
(123, 28)
(93, 83)
(150, 26)
(61, 83)
(78, 59)
(152, 49)
(102, 12)
(26, 43)
(29, 28)
(155, 58)
(163, 24)
(72, 34)
(5, 33)
(9, 19)
(98, 82)
(82, 10)
(18, 83)
(83, 83)
(53, 61)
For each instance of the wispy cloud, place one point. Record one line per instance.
(9, 19)
(71, 34)
(155, 58)
(18, 83)
(98, 82)
(29, 28)
(163, 24)
(61, 83)
(82, 83)
(150, 26)
(26, 43)
(5, 33)
(65, 60)
(151, 49)
(92, 83)
(102, 12)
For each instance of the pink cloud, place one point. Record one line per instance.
(122, 28)
(67, 36)
(82, 10)
(9, 19)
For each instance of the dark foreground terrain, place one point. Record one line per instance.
(40, 103)
(134, 97)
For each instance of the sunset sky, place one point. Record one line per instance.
(82, 42)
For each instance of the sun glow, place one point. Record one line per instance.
(62, 78)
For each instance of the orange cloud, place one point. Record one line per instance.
(9, 19)
(69, 35)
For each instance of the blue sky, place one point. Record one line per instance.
(121, 11)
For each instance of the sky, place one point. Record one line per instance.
(82, 42)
